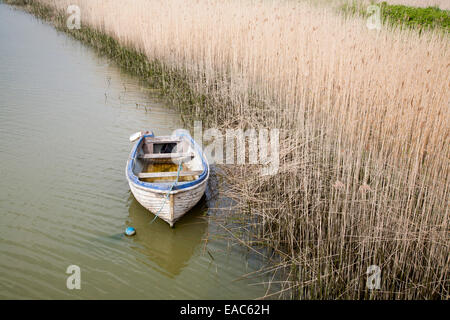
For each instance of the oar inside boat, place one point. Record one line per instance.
(139, 134)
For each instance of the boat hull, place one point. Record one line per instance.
(168, 207)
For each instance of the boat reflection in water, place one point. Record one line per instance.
(169, 249)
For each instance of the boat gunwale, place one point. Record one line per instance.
(195, 186)
(159, 187)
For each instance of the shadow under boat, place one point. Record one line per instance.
(169, 249)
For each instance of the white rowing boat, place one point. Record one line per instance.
(167, 174)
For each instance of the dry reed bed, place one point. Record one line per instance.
(364, 176)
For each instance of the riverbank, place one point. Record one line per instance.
(363, 140)
(174, 85)
(403, 16)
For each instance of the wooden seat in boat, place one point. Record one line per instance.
(169, 174)
(165, 156)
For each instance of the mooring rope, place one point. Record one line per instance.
(168, 192)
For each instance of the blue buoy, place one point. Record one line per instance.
(130, 231)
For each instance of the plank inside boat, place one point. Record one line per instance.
(166, 167)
